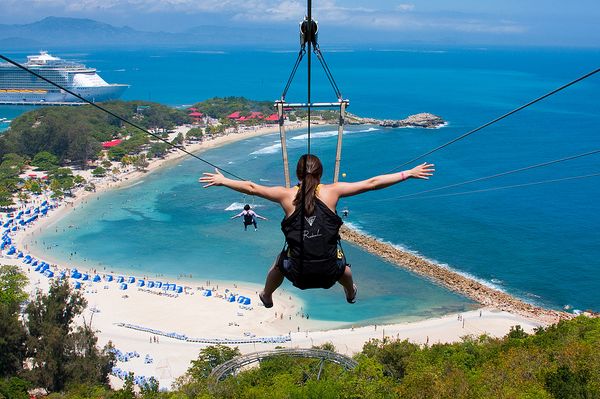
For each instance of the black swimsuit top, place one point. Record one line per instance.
(321, 233)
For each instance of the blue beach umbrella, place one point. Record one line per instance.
(96, 279)
(77, 285)
(150, 284)
(120, 279)
(131, 280)
(123, 286)
(85, 277)
(141, 283)
(108, 278)
(179, 289)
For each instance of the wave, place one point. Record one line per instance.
(120, 70)
(205, 52)
(272, 149)
(132, 184)
(331, 133)
(412, 51)
(238, 206)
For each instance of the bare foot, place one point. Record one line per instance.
(352, 297)
(266, 300)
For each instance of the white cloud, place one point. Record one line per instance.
(405, 7)
(398, 17)
(262, 11)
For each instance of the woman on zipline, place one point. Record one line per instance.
(311, 225)
(249, 217)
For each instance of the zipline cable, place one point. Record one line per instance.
(293, 73)
(328, 73)
(539, 165)
(587, 75)
(308, 98)
(503, 187)
(10, 61)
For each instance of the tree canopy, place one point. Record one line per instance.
(75, 134)
(220, 107)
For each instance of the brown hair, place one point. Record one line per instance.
(309, 171)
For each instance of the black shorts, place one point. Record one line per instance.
(323, 273)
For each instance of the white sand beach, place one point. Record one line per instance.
(196, 316)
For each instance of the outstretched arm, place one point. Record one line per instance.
(275, 194)
(238, 215)
(422, 171)
(260, 217)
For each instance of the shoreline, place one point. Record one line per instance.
(482, 294)
(187, 314)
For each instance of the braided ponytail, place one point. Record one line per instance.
(309, 171)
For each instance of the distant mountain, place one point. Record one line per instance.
(53, 32)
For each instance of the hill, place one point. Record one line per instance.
(53, 32)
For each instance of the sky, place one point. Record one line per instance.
(502, 22)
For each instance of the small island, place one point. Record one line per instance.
(422, 120)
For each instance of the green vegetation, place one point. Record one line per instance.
(45, 349)
(221, 107)
(53, 135)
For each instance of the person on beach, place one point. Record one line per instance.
(249, 217)
(311, 258)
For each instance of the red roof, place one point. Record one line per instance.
(243, 118)
(192, 109)
(254, 115)
(234, 115)
(196, 114)
(112, 143)
(272, 117)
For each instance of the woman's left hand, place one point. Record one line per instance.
(212, 179)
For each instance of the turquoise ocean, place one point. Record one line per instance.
(539, 242)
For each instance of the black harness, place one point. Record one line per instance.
(313, 257)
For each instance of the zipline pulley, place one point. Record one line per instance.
(309, 29)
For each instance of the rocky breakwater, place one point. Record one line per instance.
(455, 282)
(424, 120)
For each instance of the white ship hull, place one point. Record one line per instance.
(94, 94)
(19, 88)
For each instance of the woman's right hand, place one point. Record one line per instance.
(422, 171)
(212, 179)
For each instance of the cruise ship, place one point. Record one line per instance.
(20, 87)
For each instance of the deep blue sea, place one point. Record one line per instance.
(540, 242)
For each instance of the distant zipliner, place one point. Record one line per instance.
(312, 256)
(249, 217)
